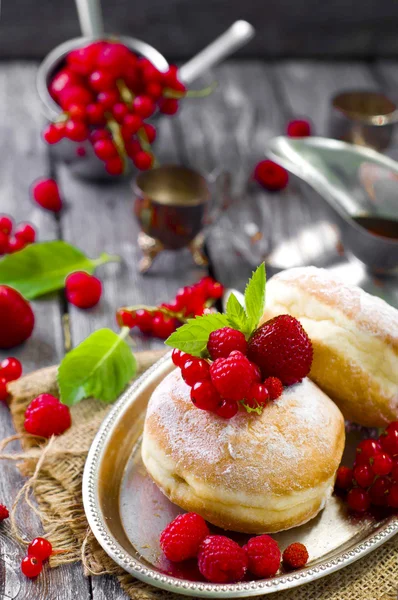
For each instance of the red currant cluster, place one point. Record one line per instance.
(10, 370)
(12, 240)
(221, 559)
(373, 480)
(163, 320)
(232, 379)
(39, 550)
(106, 93)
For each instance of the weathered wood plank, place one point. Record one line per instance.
(107, 587)
(24, 158)
(100, 217)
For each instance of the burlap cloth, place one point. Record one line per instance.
(56, 482)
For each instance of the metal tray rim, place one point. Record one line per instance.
(181, 586)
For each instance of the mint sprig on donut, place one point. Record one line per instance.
(192, 337)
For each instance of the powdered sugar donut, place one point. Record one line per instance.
(354, 336)
(252, 473)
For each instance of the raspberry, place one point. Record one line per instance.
(224, 341)
(363, 475)
(274, 387)
(182, 537)
(4, 514)
(221, 560)
(366, 450)
(271, 176)
(83, 290)
(298, 128)
(228, 409)
(194, 370)
(46, 194)
(232, 376)
(257, 396)
(40, 548)
(295, 556)
(205, 396)
(264, 556)
(46, 416)
(382, 464)
(358, 500)
(16, 318)
(281, 348)
(344, 478)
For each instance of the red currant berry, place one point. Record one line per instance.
(195, 369)
(168, 106)
(31, 567)
(228, 409)
(133, 147)
(258, 395)
(171, 76)
(389, 441)
(105, 149)
(74, 94)
(215, 290)
(366, 450)
(63, 79)
(3, 389)
(83, 290)
(4, 240)
(131, 124)
(113, 57)
(392, 498)
(120, 111)
(108, 98)
(205, 396)
(344, 478)
(6, 224)
(83, 60)
(150, 132)
(393, 426)
(143, 160)
(271, 176)
(363, 475)
(358, 500)
(101, 81)
(114, 166)
(144, 320)
(95, 114)
(298, 128)
(46, 193)
(26, 233)
(10, 369)
(76, 131)
(381, 464)
(15, 245)
(40, 548)
(149, 73)
(77, 112)
(179, 357)
(163, 326)
(126, 319)
(54, 133)
(154, 90)
(379, 491)
(144, 106)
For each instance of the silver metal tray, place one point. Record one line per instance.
(127, 512)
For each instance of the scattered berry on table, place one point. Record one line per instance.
(358, 500)
(40, 548)
(16, 318)
(274, 387)
(46, 416)
(10, 368)
(15, 245)
(83, 290)
(281, 348)
(26, 233)
(295, 556)
(46, 193)
(232, 376)
(264, 556)
(182, 537)
(298, 128)
(271, 176)
(224, 341)
(11, 240)
(344, 478)
(6, 224)
(205, 396)
(31, 567)
(221, 560)
(4, 514)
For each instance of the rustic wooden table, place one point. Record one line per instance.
(253, 102)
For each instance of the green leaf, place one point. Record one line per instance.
(194, 335)
(236, 314)
(100, 367)
(255, 296)
(41, 268)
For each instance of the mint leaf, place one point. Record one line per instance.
(194, 335)
(255, 296)
(236, 314)
(42, 267)
(100, 367)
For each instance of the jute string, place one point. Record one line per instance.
(54, 470)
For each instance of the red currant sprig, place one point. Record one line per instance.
(13, 239)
